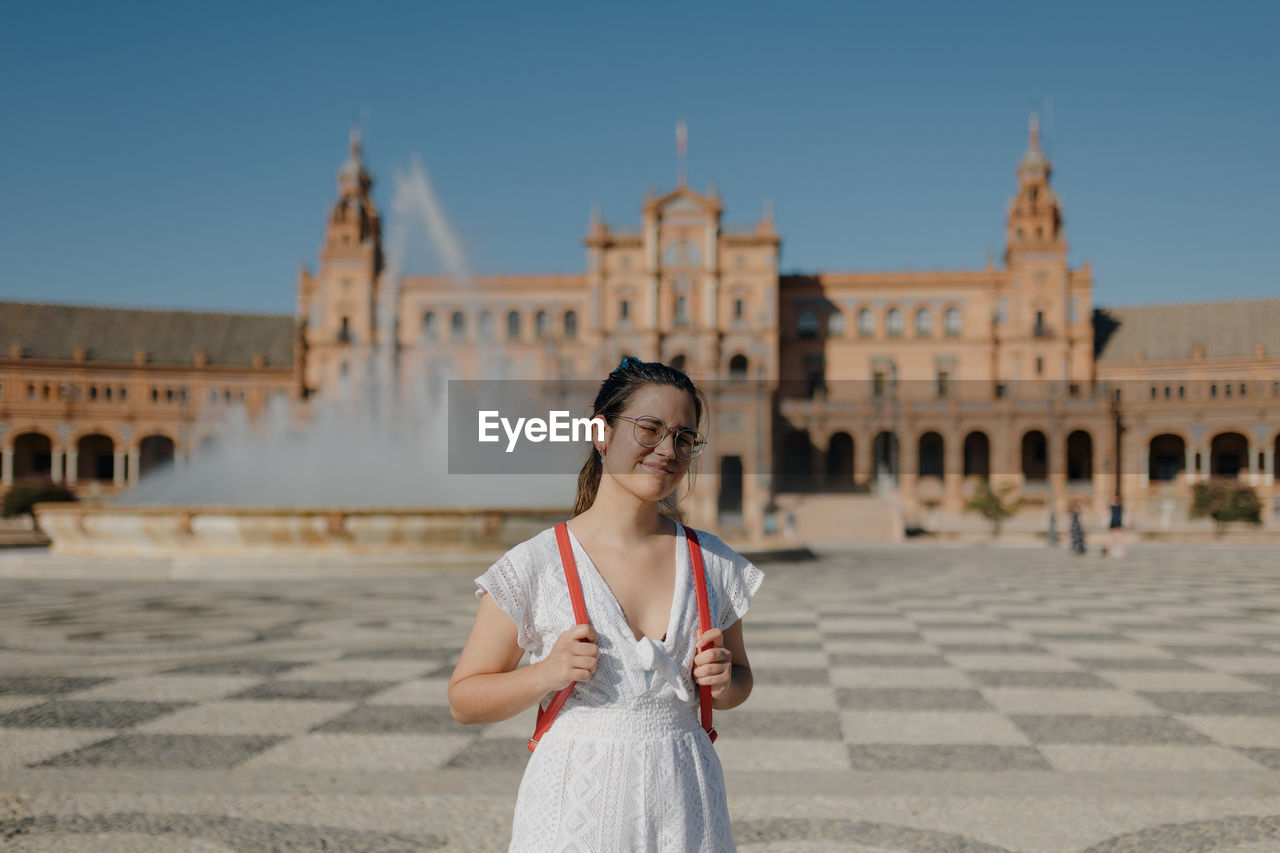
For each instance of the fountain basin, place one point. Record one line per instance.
(78, 529)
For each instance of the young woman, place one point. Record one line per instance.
(625, 765)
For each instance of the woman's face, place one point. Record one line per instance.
(650, 473)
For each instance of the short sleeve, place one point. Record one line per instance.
(741, 580)
(510, 589)
(732, 580)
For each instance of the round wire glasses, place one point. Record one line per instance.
(650, 432)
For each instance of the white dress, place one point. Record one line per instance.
(626, 765)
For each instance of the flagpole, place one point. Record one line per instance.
(682, 150)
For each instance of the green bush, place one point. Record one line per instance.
(21, 497)
(995, 508)
(1225, 501)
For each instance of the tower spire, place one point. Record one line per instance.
(682, 152)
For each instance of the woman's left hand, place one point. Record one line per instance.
(713, 667)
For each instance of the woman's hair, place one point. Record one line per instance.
(611, 400)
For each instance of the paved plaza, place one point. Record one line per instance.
(911, 698)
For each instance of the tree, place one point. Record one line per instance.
(994, 507)
(22, 496)
(1225, 501)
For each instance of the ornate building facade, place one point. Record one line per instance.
(913, 387)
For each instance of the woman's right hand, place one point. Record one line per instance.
(572, 658)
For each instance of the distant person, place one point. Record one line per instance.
(1077, 528)
(1115, 532)
(626, 764)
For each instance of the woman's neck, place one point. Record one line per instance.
(617, 517)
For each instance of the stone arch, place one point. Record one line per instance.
(796, 460)
(931, 454)
(1228, 454)
(739, 368)
(155, 451)
(1079, 460)
(884, 455)
(95, 456)
(1166, 457)
(1035, 456)
(977, 455)
(32, 455)
(840, 461)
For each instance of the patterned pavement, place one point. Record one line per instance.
(909, 698)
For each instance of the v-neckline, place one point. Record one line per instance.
(673, 618)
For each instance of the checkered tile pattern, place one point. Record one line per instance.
(878, 660)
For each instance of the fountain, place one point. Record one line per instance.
(364, 470)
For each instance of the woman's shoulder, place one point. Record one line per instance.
(535, 551)
(716, 548)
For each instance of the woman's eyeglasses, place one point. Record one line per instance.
(650, 432)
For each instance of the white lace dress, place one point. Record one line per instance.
(626, 765)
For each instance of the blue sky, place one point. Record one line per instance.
(183, 155)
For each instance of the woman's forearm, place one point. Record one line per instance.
(491, 697)
(740, 683)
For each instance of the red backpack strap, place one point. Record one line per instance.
(548, 716)
(704, 622)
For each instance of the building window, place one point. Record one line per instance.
(1168, 392)
(951, 322)
(430, 326)
(513, 326)
(944, 383)
(738, 308)
(124, 393)
(1040, 330)
(542, 324)
(1244, 389)
(1182, 392)
(835, 324)
(924, 323)
(486, 326)
(807, 323)
(1153, 392)
(878, 384)
(866, 323)
(1039, 366)
(624, 310)
(93, 392)
(213, 395)
(1226, 389)
(1000, 390)
(106, 392)
(155, 395)
(344, 333)
(570, 325)
(1073, 390)
(738, 368)
(682, 311)
(457, 325)
(1213, 390)
(893, 323)
(168, 395)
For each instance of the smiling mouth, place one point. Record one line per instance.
(660, 469)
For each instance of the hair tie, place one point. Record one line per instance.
(627, 363)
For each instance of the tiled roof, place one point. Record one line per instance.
(113, 335)
(1171, 332)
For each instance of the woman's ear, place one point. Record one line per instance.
(601, 444)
